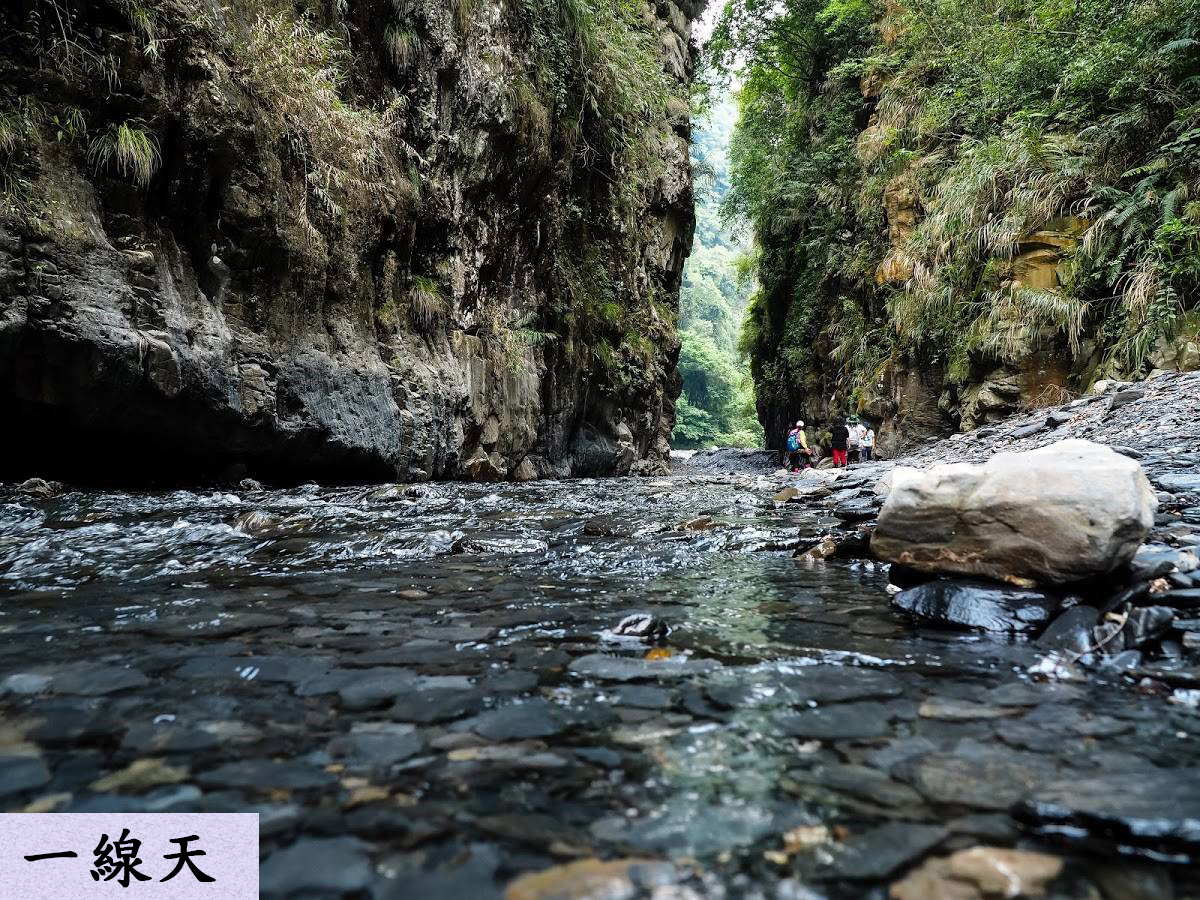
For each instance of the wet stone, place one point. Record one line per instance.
(1151, 812)
(266, 669)
(469, 874)
(457, 633)
(375, 687)
(316, 866)
(149, 738)
(976, 776)
(520, 720)
(977, 604)
(953, 710)
(536, 830)
(513, 681)
(843, 721)
(98, 681)
(20, 773)
(377, 744)
(645, 696)
(430, 705)
(265, 775)
(1178, 482)
(880, 852)
(861, 782)
(1072, 630)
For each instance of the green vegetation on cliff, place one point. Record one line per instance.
(717, 404)
(954, 186)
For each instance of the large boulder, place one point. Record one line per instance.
(1055, 515)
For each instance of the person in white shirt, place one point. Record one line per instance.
(867, 442)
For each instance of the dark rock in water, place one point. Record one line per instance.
(1135, 594)
(1150, 812)
(538, 831)
(880, 852)
(1156, 560)
(1178, 482)
(642, 625)
(1147, 568)
(22, 773)
(97, 681)
(644, 696)
(973, 604)
(266, 775)
(856, 510)
(1072, 630)
(1126, 659)
(147, 738)
(1057, 419)
(375, 688)
(316, 867)
(431, 705)
(377, 745)
(518, 721)
(466, 875)
(1180, 598)
(1146, 624)
(977, 775)
(861, 782)
(842, 721)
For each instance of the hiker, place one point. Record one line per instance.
(799, 452)
(839, 441)
(867, 443)
(854, 441)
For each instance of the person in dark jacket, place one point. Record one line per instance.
(840, 436)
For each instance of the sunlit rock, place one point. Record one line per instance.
(1054, 515)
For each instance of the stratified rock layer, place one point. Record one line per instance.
(494, 307)
(1054, 515)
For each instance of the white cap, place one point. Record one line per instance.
(800, 424)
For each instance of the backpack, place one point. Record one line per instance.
(793, 441)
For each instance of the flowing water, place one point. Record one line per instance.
(423, 677)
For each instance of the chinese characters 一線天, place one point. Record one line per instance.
(119, 860)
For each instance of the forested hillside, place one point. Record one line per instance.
(717, 404)
(964, 207)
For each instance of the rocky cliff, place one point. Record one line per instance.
(962, 216)
(361, 239)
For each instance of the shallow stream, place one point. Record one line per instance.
(415, 688)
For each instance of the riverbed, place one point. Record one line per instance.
(418, 689)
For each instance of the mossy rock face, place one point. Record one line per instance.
(337, 262)
(1180, 353)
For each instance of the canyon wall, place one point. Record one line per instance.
(353, 240)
